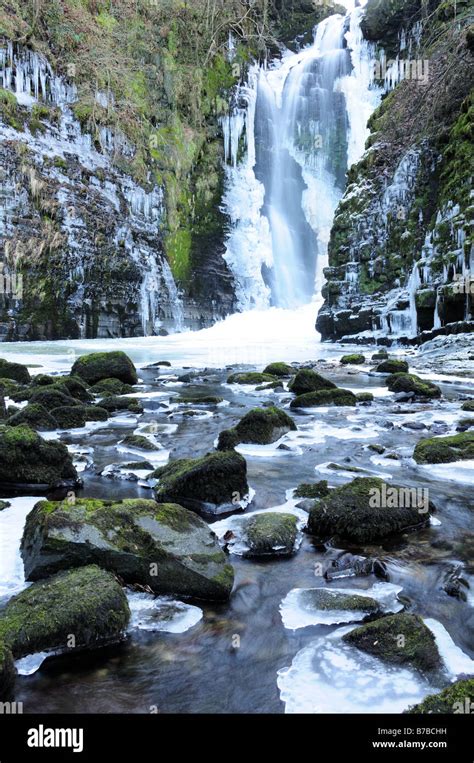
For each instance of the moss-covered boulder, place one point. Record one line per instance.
(392, 366)
(7, 673)
(250, 377)
(35, 416)
(8, 387)
(365, 510)
(337, 601)
(282, 370)
(111, 387)
(74, 387)
(260, 425)
(163, 546)
(51, 398)
(365, 397)
(69, 416)
(402, 382)
(25, 458)
(113, 403)
(443, 450)
(87, 603)
(455, 699)
(353, 360)
(213, 483)
(270, 534)
(401, 639)
(312, 489)
(105, 365)
(380, 355)
(95, 413)
(138, 441)
(307, 380)
(468, 405)
(15, 371)
(337, 396)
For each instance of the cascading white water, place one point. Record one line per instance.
(304, 121)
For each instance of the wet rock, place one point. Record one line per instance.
(402, 397)
(324, 397)
(380, 355)
(270, 534)
(215, 482)
(15, 371)
(87, 603)
(163, 546)
(356, 512)
(113, 403)
(260, 425)
(415, 425)
(350, 565)
(468, 405)
(279, 369)
(443, 450)
(312, 490)
(402, 382)
(457, 698)
(200, 400)
(327, 600)
(307, 380)
(250, 377)
(70, 417)
(34, 416)
(25, 458)
(51, 398)
(270, 385)
(392, 366)
(111, 387)
(354, 359)
(364, 397)
(105, 365)
(455, 585)
(7, 673)
(401, 639)
(139, 442)
(377, 448)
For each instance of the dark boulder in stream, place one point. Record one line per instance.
(163, 546)
(307, 380)
(443, 450)
(97, 366)
(27, 459)
(260, 425)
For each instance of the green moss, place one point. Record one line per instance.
(259, 425)
(279, 369)
(15, 371)
(180, 520)
(399, 640)
(327, 600)
(138, 441)
(364, 397)
(271, 534)
(324, 397)
(103, 365)
(402, 382)
(392, 366)
(111, 387)
(250, 377)
(354, 359)
(467, 406)
(443, 450)
(34, 415)
(312, 489)
(456, 699)
(26, 458)
(309, 381)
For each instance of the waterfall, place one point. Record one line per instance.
(298, 123)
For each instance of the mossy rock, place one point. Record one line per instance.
(113, 403)
(352, 360)
(401, 639)
(35, 416)
(43, 380)
(25, 458)
(52, 398)
(207, 483)
(250, 377)
(135, 465)
(443, 450)
(380, 355)
(8, 387)
(337, 396)
(270, 534)
(88, 603)
(468, 405)
(70, 416)
(7, 673)
(365, 397)
(309, 381)
(312, 489)
(327, 600)
(74, 387)
(403, 382)
(163, 546)
(353, 513)
(270, 385)
(282, 370)
(138, 441)
(15, 371)
(111, 387)
(95, 413)
(392, 366)
(455, 699)
(105, 365)
(260, 425)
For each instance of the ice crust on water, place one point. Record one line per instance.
(162, 613)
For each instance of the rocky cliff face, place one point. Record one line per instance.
(401, 249)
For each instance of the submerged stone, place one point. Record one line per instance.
(163, 546)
